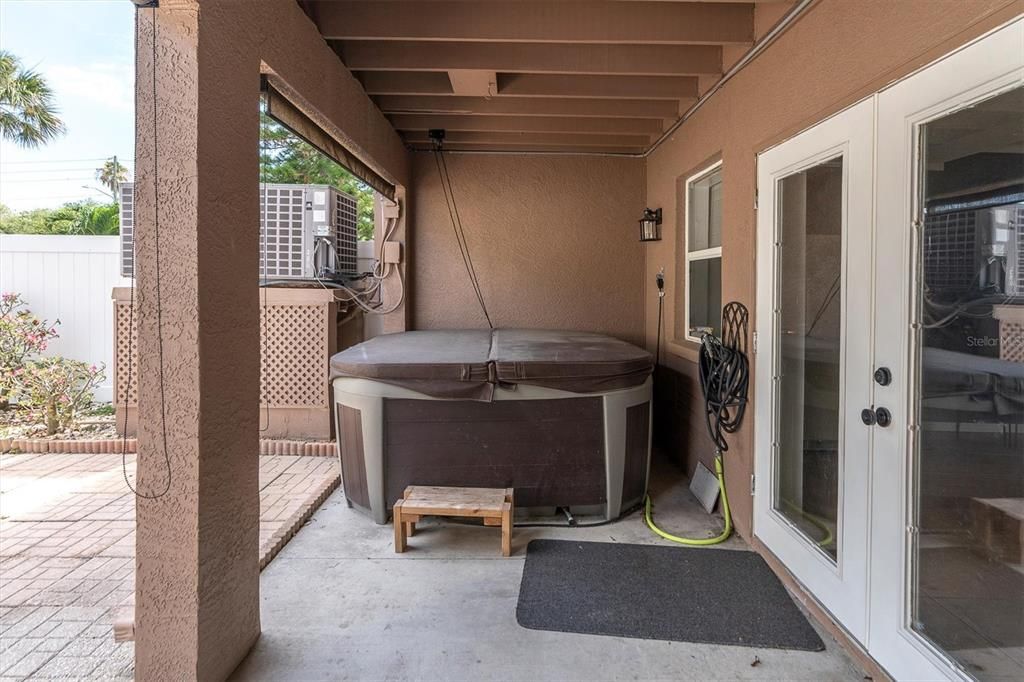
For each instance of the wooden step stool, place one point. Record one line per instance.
(494, 505)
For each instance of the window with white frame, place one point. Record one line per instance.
(703, 253)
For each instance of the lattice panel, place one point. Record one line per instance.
(293, 370)
(126, 338)
(281, 231)
(1011, 341)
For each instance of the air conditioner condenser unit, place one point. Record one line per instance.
(307, 232)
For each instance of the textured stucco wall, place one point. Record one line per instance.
(836, 54)
(554, 241)
(197, 563)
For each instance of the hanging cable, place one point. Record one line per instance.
(659, 279)
(465, 241)
(264, 332)
(460, 234)
(159, 307)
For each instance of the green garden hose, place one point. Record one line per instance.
(724, 374)
(700, 542)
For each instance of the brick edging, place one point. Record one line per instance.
(85, 446)
(99, 446)
(279, 539)
(269, 446)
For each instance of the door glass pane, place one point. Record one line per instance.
(810, 236)
(968, 578)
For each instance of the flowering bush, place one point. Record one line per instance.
(57, 389)
(22, 335)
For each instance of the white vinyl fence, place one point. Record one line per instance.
(69, 278)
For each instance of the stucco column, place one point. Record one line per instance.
(197, 546)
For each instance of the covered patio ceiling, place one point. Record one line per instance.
(558, 75)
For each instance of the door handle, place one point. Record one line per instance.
(881, 416)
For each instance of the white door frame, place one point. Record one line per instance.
(990, 65)
(841, 586)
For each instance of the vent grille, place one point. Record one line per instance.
(127, 192)
(281, 231)
(346, 236)
(949, 251)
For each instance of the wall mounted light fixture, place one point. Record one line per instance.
(650, 225)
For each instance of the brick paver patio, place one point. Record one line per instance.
(67, 546)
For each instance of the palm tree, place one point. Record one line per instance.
(27, 113)
(112, 174)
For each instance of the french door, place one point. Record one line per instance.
(947, 596)
(890, 365)
(813, 358)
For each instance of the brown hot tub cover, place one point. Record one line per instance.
(468, 364)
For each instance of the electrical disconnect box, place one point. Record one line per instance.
(306, 232)
(392, 253)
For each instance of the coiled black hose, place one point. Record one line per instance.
(725, 375)
(724, 379)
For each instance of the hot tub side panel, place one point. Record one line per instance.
(638, 454)
(550, 451)
(353, 456)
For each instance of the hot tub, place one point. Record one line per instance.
(562, 417)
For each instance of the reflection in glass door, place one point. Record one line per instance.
(967, 591)
(810, 246)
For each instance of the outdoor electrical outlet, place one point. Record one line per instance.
(392, 253)
(391, 210)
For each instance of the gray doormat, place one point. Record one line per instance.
(710, 596)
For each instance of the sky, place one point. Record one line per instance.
(85, 51)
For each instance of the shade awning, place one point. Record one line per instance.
(279, 108)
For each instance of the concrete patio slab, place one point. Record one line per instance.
(446, 609)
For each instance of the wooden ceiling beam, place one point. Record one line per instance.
(404, 83)
(524, 124)
(636, 60)
(537, 21)
(530, 138)
(614, 87)
(662, 109)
